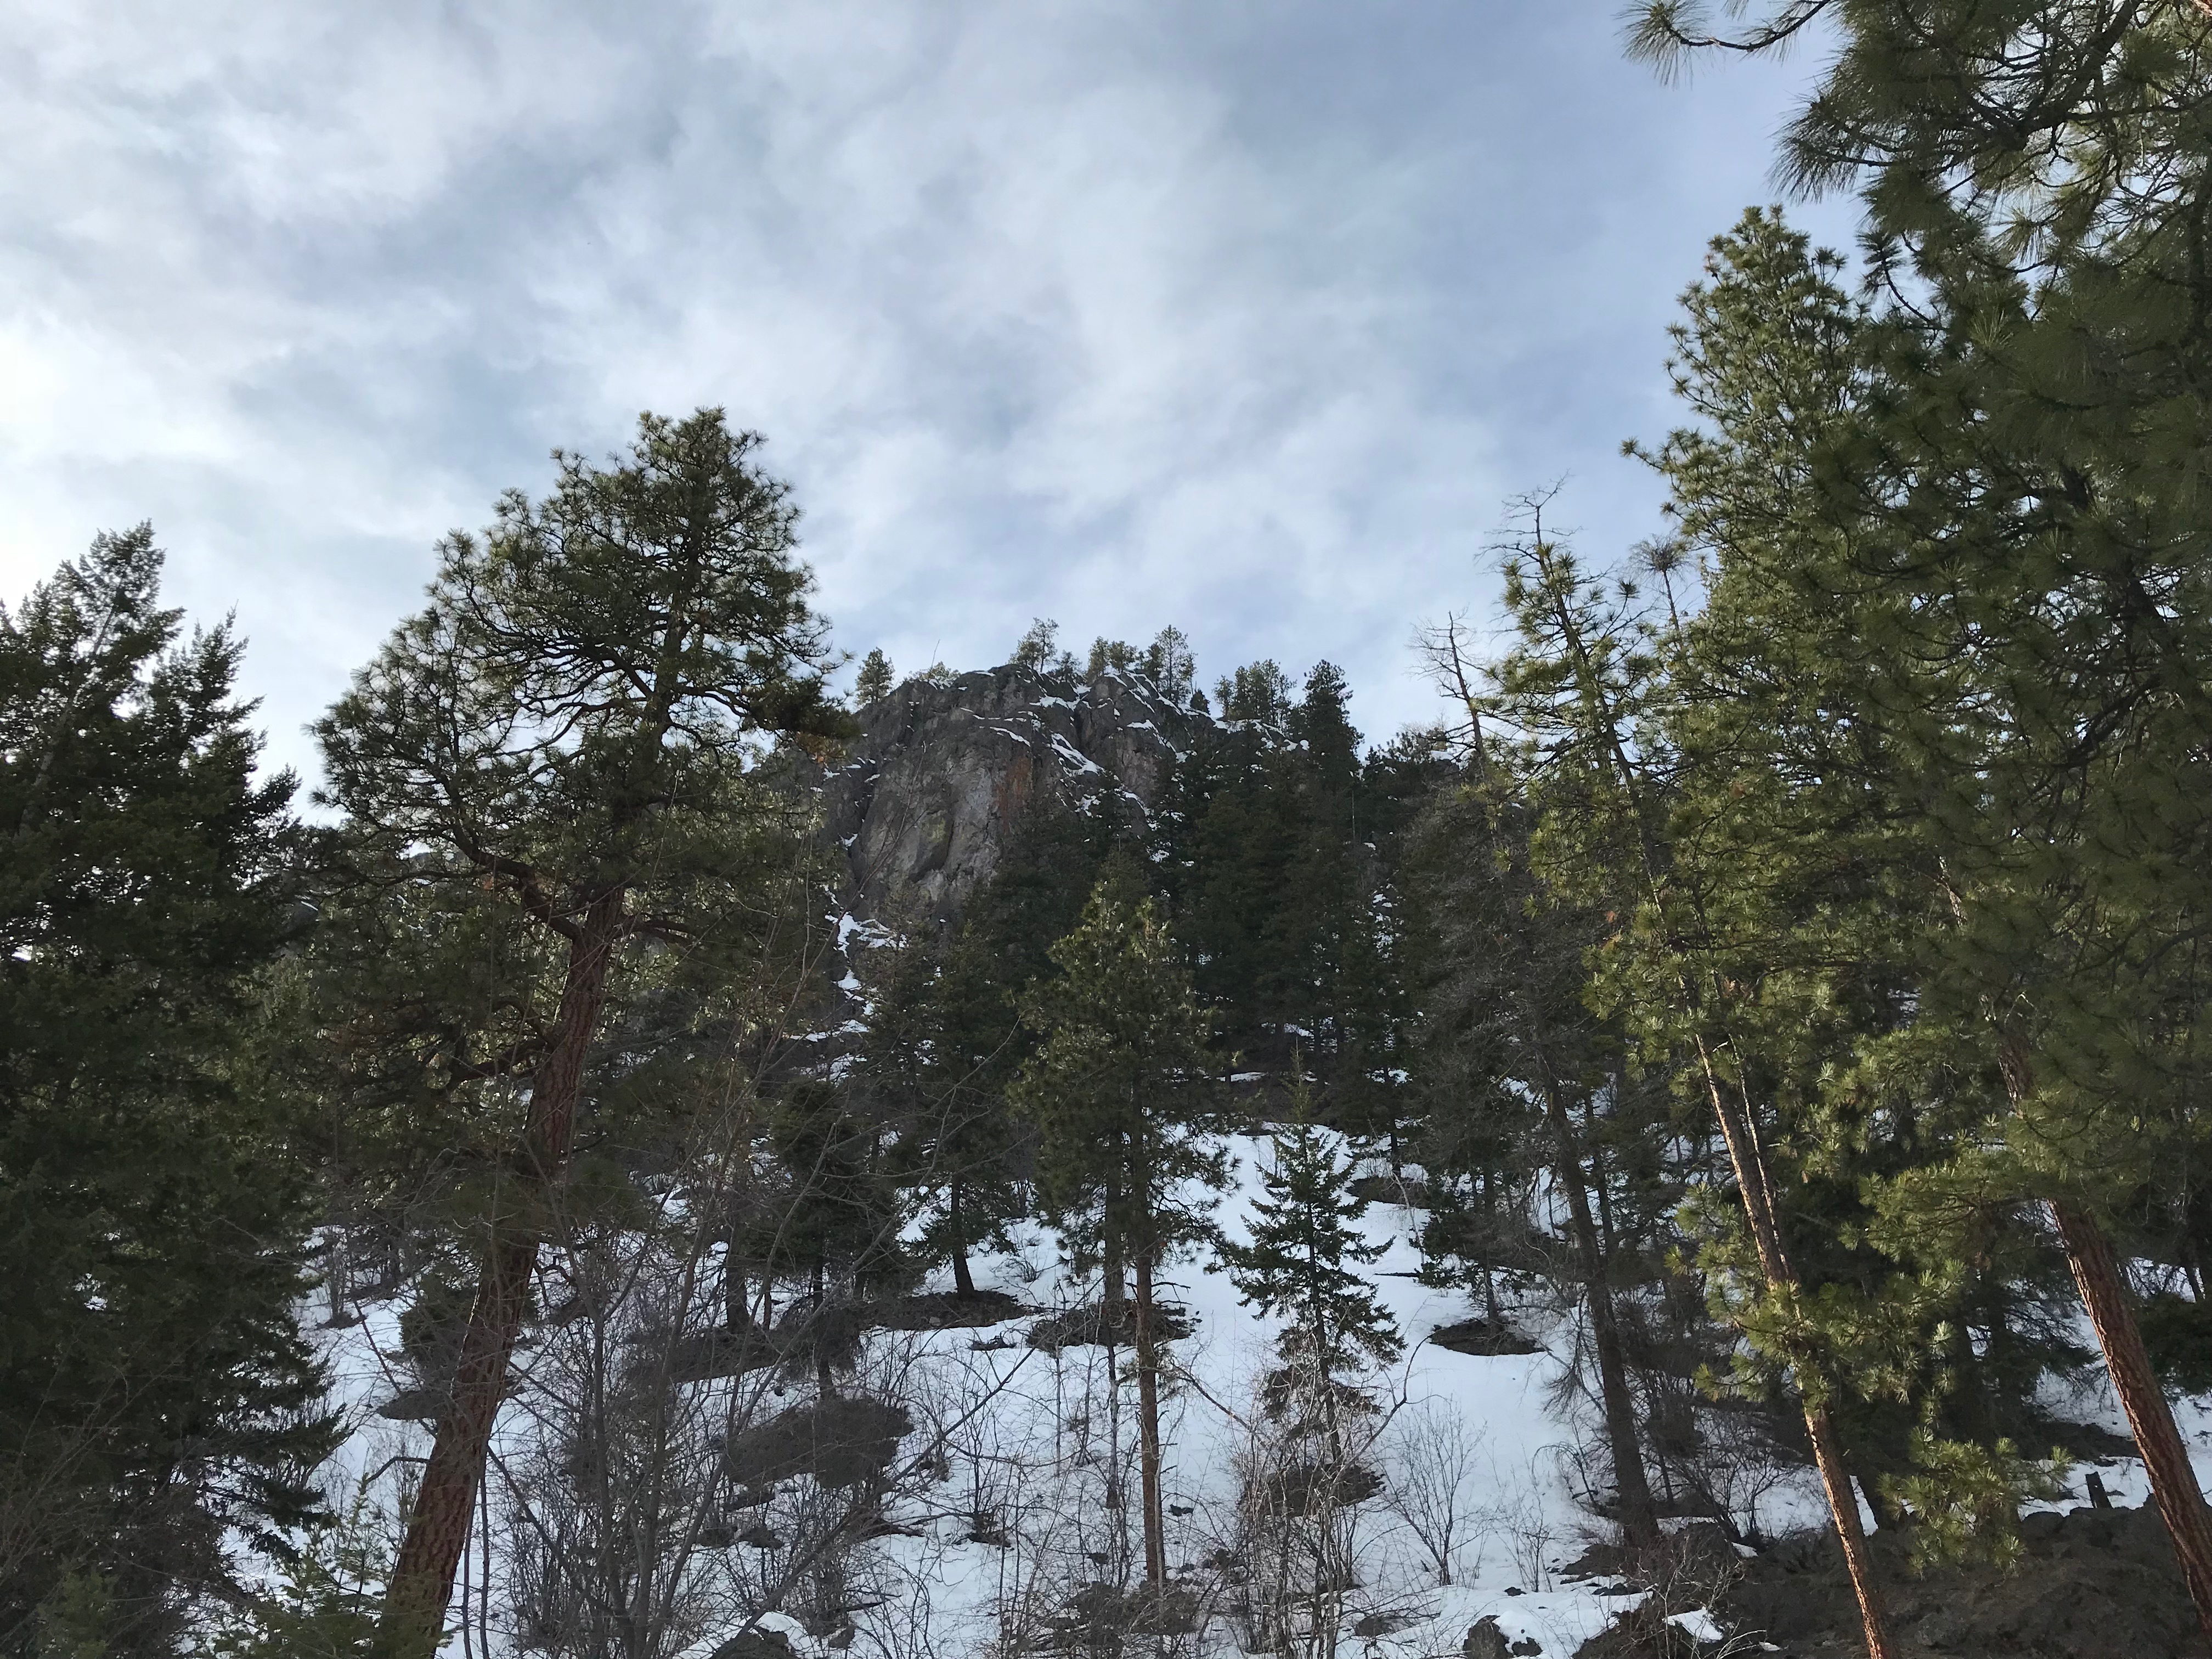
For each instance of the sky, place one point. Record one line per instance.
(1245, 315)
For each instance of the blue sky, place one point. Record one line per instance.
(1243, 316)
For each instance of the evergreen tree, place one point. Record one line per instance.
(1259, 692)
(1582, 686)
(1119, 1093)
(837, 1221)
(874, 682)
(1109, 654)
(1300, 1267)
(1797, 840)
(155, 1392)
(562, 748)
(946, 1037)
(1036, 648)
(2022, 504)
(1322, 917)
(1169, 665)
(1511, 1020)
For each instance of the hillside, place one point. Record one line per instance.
(989, 1535)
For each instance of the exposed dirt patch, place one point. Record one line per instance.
(1087, 1327)
(946, 1310)
(723, 1352)
(2092, 1584)
(1480, 1336)
(841, 1442)
(1409, 1191)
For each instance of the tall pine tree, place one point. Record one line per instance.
(561, 743)
(1121, 1096)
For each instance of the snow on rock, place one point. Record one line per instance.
(943, 774)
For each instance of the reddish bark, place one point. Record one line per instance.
(421, 1583)
(1754, 1180)
(2173, 1482)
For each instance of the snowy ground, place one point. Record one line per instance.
(1523, 1521)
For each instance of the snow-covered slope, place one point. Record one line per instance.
(1010, 1428)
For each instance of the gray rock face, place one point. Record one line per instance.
(936, 786)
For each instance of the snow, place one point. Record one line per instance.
(1072, 757)
(1526, 1523)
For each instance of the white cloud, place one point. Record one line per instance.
(1245, 318)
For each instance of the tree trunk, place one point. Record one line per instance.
(825, 1383)
(736, 1294)
(337, 1283)
(1148, 1426)
(1639, 1517)
(422, 1582)
(964, 1282)
(1113, 1296)
(2172, 1481)
(1490, 1308)
(1754, 1181)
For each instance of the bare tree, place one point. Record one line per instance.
(1432, 1452)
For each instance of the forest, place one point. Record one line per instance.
(655, 1154)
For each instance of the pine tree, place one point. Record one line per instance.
(1816, 880)
(1119, 1092)
(1036, 647)
(2024, 503)
(1295, 1268)
(1581, 686)
(947, 1040)
(155, 1391)
(874, 681)
(1510, 1021)
(1169, 665)
(1228, 842)
(561, 746)
(838, 1220)
(1259, 692)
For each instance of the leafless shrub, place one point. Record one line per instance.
(1432, 1453)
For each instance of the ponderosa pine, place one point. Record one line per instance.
(566, 737)
(1121, 1092)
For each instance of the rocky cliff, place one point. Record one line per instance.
(935, 787)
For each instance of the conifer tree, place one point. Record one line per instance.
(2024, 503)
(838, 1221)
(1169, 665)
(1259, 692)
(1815, 878)
(1299, 1268)
(155, 1390)
(1036, 647)
(1119, 1092)
(1578, 687)
(562, 744)
(874, 681)
(1510, 993)
(947, 1036)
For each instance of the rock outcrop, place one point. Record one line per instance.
(935, 787)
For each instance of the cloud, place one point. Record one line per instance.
(1242, 317)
